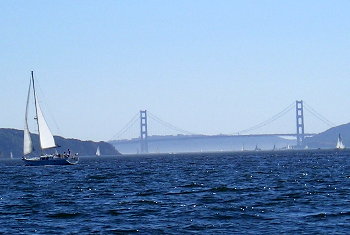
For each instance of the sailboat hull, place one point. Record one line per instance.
(47, 162)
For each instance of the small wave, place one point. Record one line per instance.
(99, 177)
(114, 212)
(65, 202)
(255, 216)
(290, 195)
(212, 190)
(221, 217)
(329, 215)
(191, 185)
(194, 227)
(123, 231)
(222, 189)
(64, 215)
(185, 192)
(146, 193)
(148, 202)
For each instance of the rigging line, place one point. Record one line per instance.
(270, 120)
(169, 125)
(46, 107)
(319, 116)
(126, 127)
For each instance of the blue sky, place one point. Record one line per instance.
(205, 66)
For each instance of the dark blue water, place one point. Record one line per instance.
(213, 194)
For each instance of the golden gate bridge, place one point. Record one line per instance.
(142, 118)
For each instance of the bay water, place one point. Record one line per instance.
(206, 193)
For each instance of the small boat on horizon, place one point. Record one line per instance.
(257, 148)
(46, 139)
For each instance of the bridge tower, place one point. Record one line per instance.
(143, 132)
(300, 123)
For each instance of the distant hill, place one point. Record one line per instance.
(328, 138)
(11, 140)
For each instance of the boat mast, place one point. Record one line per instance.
(36, 109)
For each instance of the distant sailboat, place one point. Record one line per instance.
(340, 144)
(45, 137)
(11, 155)
(98, 152)
(257, 148)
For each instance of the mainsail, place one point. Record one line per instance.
(27, 140)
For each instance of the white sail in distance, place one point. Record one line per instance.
(27, 140)
(340, 144)
(98, 153)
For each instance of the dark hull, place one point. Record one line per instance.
(47, 162)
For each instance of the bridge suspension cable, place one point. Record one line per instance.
(169, 125)
(268, 121)
(127, 127)
(318, 115)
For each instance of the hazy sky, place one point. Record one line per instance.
(205, 66)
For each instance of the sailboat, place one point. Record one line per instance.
(340, 144)
(257, 148)
(46, 139)
(98, 153)
(11, 155)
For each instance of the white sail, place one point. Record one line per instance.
(46, 138)
(11, 155)
(98, 153)
(340, 144)
(27, 140)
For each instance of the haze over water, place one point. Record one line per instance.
(257, 193)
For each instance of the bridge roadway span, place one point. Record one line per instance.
(186, 137)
